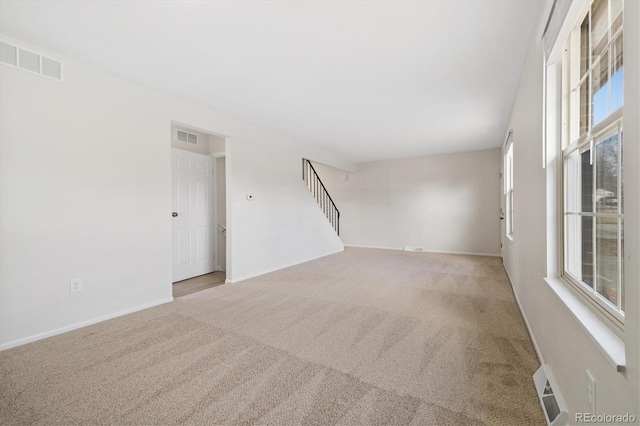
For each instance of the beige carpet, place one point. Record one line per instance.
(360, 337)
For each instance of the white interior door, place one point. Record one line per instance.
(193, 214)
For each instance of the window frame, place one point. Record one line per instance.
(601, 301)
(569, 108)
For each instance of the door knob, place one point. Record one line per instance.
(174, 214)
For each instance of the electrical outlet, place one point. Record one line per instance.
(591, 392)
(75, 285)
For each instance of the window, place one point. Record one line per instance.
(508, 186)
(592, 136)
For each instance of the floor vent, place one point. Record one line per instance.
(409, 248)
(30, 61)
(552, 403)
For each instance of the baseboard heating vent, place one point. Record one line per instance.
(552, 403)
(409, 248)
(186, 137)
(33, 62)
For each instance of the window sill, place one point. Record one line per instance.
(610, 345)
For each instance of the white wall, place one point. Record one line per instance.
(216, 144)
(276, 223)
(444, 203)
(562, 342)
(85, 188)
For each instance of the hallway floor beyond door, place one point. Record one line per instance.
(196, 284)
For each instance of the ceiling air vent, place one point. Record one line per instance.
(182, 136)
(30, 61)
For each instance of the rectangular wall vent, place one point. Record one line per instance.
(409, 248)
(182, 136)
(552, 402)
(8, 54)
(33, 62)
(28, 61)
(51, 68)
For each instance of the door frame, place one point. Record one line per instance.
(215, 156)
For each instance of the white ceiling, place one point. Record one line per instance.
(367, 80)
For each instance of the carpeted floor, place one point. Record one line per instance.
(359, 337)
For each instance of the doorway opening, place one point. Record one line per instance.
(198, 188)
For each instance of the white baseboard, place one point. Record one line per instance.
(524, 317)
(40, 336)
(373, 247)
(246, 277)
(425, 251)
(468, 253)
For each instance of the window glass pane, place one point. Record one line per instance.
(586, 182)
(584, 46)
(607, 258)
(511, 212)
(600, 91)
(621, 248)
(607, 175)
(511, 166)
(616, 15)
(572, 245)
(599, 27)
(616, 74)
(584, 106)
(586, 223)
(572, 183)
(508, 169)
(621, 175)
(587, 250)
